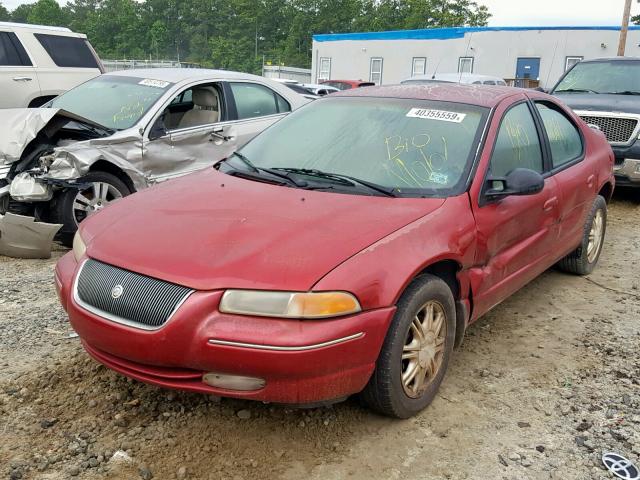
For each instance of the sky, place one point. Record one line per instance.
(536, 13)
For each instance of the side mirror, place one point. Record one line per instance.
(520, 181)
(540, 89)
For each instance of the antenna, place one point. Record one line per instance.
(553, 59)
(466, 54)
(433, 77)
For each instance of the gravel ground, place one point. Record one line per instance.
(543, 385)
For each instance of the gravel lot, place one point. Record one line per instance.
(542, 386)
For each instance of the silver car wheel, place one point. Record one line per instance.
(93, 199)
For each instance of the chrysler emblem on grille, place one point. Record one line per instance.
(117, 291)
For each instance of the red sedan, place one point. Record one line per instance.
(344, 250)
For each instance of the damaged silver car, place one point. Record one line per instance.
(122, 132)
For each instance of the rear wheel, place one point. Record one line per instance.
(416, 351)
(72, 206)
(583, 259)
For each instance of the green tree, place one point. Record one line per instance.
(237, 34)
(635, 20)
(46, 12)
(4, 14)
(21, 13)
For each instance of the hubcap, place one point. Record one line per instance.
(94, 199)
(595, 236)
(423, 349)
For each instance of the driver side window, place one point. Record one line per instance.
(196, 106)
(517, 144)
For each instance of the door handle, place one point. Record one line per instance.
(591, 181)
(218, 133)
(550, 204)
(22, 79)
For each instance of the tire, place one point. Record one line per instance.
(583, 259)
(64, 212)
(387, 392)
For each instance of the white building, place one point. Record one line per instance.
(539, 53)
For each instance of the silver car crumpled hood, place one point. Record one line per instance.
(22, 125)
(19, 127)
(23, 237)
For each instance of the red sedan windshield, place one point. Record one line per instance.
(414, 146)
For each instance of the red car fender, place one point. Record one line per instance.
(431, 239)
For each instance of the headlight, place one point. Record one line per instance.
(79, 248)
(289, 304)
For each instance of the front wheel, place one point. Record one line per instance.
(416, 350)
(583, 259)
(72, 206)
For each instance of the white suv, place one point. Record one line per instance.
(38, 63)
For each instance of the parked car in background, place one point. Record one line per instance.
(320, 89)
(302, 90)
(464, 78)
(345, 249)
(37, 63)
(347, 84)
(124, 131)
(605, 93)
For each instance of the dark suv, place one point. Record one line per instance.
(606, 93)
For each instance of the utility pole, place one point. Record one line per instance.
(625, 28)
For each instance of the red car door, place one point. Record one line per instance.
(574, 171)
(516, 234)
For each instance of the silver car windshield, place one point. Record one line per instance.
(415, 146)
(622, 77)
(113, 101)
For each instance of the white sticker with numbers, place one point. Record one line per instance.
(432, 114)
(149, 82)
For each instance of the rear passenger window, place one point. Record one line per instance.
(253, 100)
(564, 138)
(68, 51)
(12, 53)
(517, 145)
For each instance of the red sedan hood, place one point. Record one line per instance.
(211, 231)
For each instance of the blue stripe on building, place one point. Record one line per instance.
(444, 33)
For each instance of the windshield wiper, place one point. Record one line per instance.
(345, 180)
(576, 90)
(98, 131)
(625, 92)
(270, 171)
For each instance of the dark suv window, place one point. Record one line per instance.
(68, 51)
(12, 52)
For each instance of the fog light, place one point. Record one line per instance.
(233, 382)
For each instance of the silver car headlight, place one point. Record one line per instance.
(79, 247)
(289, 304)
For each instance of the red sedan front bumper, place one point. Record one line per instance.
(300, 361)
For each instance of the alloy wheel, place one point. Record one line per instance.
(595, 236)
(423, 350)
(94, 199)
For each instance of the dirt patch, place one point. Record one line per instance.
(543, 385)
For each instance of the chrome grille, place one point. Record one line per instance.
(143, 302)
(616, 129)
